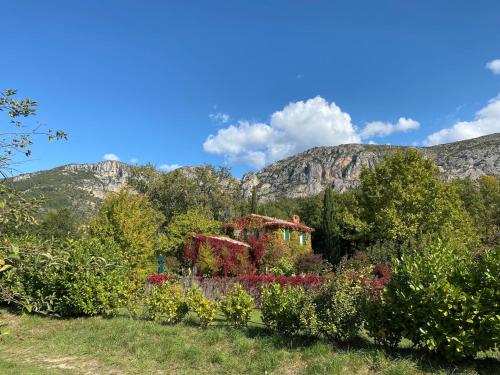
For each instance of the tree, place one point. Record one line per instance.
(253, 202)
(403, 197)
(197, 187)
(129, 220)
(15, 209)
(330, 228)
(184, 225)
(58, 224)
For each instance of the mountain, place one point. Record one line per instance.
(83, 186)
(339, 167)
(80, 187)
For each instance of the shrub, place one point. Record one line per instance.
(443, 300)
(206, 309)
(237, 307)
(165, 303)
(83, 277)
(338, 305)
(287, 310)
(283, 267)
(311, 263)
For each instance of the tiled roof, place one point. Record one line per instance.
(268, 221)
(220, 238)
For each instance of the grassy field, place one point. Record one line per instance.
(38, 345)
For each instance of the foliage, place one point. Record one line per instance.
(237, 306)
(16, 211)
(206, 309)
(330, 228)
(130, 221)
(19, 139)
(207, 262)
(443, 299)
(183, 225)
(481, 199)
(287, 310)
(313, 264)
(282, 267)
(83, 277)
(174, 193)
(58, 224)
(165, 303)
(338, 304)
(404, 196)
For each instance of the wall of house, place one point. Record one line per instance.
(296, 249)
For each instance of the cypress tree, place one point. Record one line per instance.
(330, 229)
(253, 203)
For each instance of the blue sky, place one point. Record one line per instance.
(245, 83)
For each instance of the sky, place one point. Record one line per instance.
(246, 83)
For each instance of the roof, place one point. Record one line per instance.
(201, 237)
(271, 222)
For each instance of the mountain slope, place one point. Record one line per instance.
(339, 167)
(80, 187)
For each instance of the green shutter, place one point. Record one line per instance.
(287, 234)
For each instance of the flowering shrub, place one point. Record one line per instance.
(206, 309)
(165, 303)
(237, 306)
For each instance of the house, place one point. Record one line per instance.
(292, 232)
(248, 242)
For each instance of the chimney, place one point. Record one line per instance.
(296, 219)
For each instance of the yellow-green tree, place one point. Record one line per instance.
(129, 220)
(404, 196)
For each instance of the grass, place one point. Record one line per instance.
(39, 345)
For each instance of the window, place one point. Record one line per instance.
(256, 233)
(303, 238)
(286, 235)
(245, 234)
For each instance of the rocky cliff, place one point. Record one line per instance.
(339, 167)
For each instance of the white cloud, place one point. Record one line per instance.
(487, 121)
(494, 66)
(297, 127)
(382, 129)
(111, 156)
(219, 117)
(134, 160)
(168, 167)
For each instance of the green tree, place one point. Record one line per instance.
(206, 187)
(253, 202)
(330, 228)
(184, 225)
(129, 220)
(403, 197)
(58, 224)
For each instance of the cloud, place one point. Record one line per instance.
(134, 160)
(487, 121)
(111, 156)
(494, 66)
(382, 129)
(219, 117)
(297, 127)
(168, 167)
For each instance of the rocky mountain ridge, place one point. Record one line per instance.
(83, 186)
(339, 167)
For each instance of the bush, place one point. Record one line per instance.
(165, 303)
(287, 310)
(313, 264)
(83, 277)
(206, 309)
(443, 299)
(283, 267)
(237, 307)
(338, 305)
